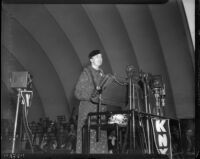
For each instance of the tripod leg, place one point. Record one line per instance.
(15, 125)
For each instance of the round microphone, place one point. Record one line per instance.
(132, 72)
(130, 69)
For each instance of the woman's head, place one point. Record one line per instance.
(96, 58)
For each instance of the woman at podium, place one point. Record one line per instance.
(87, 84)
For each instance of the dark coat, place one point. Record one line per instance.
(83, 91)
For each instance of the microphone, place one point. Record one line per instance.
(130, 68)
(131, 72)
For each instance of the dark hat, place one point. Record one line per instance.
(93, 53)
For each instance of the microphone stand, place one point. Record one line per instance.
(130, 72)
(98, 134)
(132, 115)
(147, 109)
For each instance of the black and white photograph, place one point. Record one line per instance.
(99, 80)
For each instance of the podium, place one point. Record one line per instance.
(141, 124)
(141, 139)
(113, 93)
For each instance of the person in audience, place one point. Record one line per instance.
(60, 136)
(44, 143)
(53, 145)
(69, 147)
(72, 137)
(112, 142)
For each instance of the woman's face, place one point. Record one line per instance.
(97, 60)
